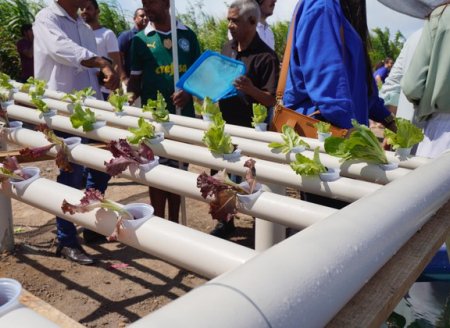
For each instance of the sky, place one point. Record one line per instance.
(378, 15)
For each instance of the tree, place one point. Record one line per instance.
(383, 46)
(13, 14)
(280, 32)
(113, 17)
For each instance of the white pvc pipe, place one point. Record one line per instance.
(305, 280)
(280, 209)
(268, 233)
(22, 316)
(234, 130)
(185, 247)
(268, 172)
(6, 217)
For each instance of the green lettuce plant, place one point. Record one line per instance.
(207, 107)
(84, 118)
(259, 114)
(78, 96)
(290, 140)
(361, 145)
(118, 99)
(306, 166)
(407, 134)
(158, 108)
(322, 127)
(145, 130)
(216, 139)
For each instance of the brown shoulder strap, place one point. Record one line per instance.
(286, 58)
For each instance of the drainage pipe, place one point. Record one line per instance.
(185, 247)
(344, 189)
(280, 209)
(305, 280)
(233, 130)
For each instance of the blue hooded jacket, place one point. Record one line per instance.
(328, 71)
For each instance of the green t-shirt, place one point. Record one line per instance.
(151, 54)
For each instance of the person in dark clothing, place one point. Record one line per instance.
(259, 83)
(25, 49)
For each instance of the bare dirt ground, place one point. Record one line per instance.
(124, 285)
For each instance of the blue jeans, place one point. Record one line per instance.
(65, 230)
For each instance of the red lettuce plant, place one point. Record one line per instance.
(125, 155)
(93, 199)
(62, 160)
(223, 191)
(10, 169)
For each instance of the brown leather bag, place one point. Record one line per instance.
(302, 124)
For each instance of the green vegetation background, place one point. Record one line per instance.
(211, 31)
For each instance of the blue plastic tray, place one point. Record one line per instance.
(212, 75)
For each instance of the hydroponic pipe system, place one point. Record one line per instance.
(194, 123)
(268, 172)
(305, 280)
(364, 171)
(280, 209)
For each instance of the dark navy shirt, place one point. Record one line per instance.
(125, 47)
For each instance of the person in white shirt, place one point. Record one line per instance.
(107, 44)
(265, 33)
(65, 56)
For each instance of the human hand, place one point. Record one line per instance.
(180, 98)
(244, 84)
(111, 79)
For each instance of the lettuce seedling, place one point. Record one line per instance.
(207, 107)
(407, 134)
(4, 82)
(144, 131)
(118, 99)
(322, 127)
(158, 108)
(124, 156)
(222, 191)
(361, 145)
(308, 167)
(259, 114)
(78, 96)
(216, 139)
(62, 160)
(10, 169)
(290, 140)
(93, 199)
(84, 118)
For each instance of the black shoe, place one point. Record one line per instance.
(75, 254)
(223, 229)
(91, 237)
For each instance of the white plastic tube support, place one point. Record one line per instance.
(305, 280)
(185, 247)
(268, 233)
(269, 206)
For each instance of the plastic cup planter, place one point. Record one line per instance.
(72, 142)
(159, 137)
(234, 156)
(98, 124)
(141, 213)
(49, 113)
(321, 136)
(261, 127)
(332, 174)
(247, 200)
(148, 166)
(297, 149)
(207, 118)
(21, 185)
(13, 125)
(10, 291)
(388, 166)
(403, 153)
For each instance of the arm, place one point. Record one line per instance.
(112, 47)
(111, 80)
(244, 84)
(135, 81)
(413, 82)
(324, 72)
(24, 50)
